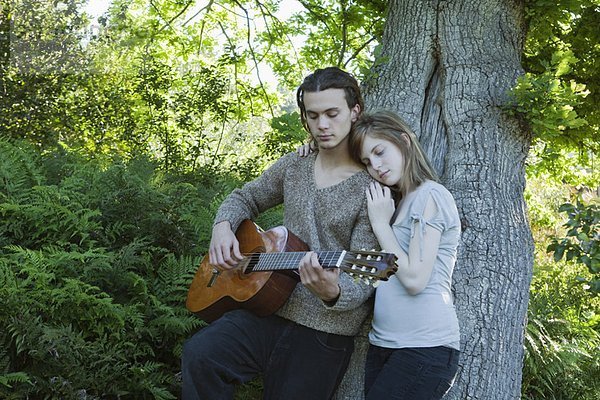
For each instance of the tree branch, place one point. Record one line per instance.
(254, 58)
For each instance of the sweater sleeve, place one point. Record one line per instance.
(353, 292)
(256, 196)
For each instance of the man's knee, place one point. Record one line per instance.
(197, 353)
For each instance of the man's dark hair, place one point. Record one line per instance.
(329, 78)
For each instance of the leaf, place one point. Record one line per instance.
(559, 252)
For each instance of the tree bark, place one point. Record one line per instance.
(446, 67)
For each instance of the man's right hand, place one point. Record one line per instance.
(224, 250)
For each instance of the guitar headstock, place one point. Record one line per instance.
(369, 266)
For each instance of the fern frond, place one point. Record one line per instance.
(174, 277)
(7, 276)
(160, 393)
(14, 377)
(19, 169)
(4, 356)
(151, 375)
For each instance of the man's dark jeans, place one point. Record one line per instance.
(296, 362)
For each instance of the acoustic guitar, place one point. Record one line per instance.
(266, 276)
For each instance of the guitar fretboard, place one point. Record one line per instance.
(290, 260)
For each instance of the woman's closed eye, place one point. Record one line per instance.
(376, 153)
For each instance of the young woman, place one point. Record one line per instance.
(414, 339)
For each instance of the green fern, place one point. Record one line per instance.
(561, 339)
(9, 379)
(173, 278)
(93, 278)
(19, 169)
(4, 354)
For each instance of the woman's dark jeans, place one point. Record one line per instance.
(424, 373)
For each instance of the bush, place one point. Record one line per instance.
(95, 263)
(562, 339)
(582, 241)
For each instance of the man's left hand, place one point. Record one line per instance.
(322, 282)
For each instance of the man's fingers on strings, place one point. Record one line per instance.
(237, 255)
(226, 260)
(314, 260)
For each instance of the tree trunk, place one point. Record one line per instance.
(446, 67)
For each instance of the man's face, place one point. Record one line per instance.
(328, 116)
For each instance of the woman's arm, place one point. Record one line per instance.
(414, 268)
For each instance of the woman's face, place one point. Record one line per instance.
(383, 160)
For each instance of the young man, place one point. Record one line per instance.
(303, 350)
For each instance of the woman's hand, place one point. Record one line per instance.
(380, 205)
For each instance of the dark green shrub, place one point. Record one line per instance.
(581, 242)
(95, 263)
(562, 339)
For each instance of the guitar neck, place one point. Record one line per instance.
(288, 260)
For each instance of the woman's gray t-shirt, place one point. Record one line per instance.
(427, 319)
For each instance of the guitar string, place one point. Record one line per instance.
(290, 260)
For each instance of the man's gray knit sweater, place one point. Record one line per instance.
(331, 218)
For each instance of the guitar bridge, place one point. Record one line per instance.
(215, 275)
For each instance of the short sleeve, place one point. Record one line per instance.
(443, 219)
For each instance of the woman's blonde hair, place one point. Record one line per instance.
(387, 125)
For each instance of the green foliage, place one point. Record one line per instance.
(36, 67)
(549, 100)
(19, 169)
(558, 96)
(543, 196)
(582, 240)
(339, 33)
(140, 85)
(562, 33)
(562, 336)
(559, 92)
(250, 391)
(562, 339)
(95, 264)
(124, 143)
(286, 134)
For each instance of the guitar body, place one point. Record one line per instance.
(263, 293)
